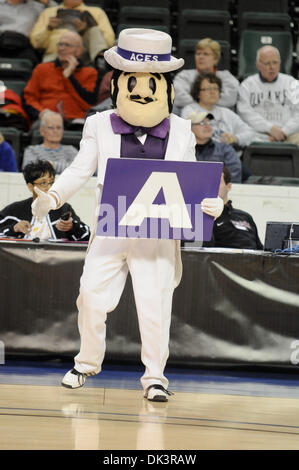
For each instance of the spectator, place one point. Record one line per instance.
(268, 100)
(96, 30)
(227, 126)
(63, 85)
(207, 149)
(234, 228)
(51, 129)
(207, 57)
(16, 220)
(17, 18)
(8, 160)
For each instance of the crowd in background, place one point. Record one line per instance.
(65, 43)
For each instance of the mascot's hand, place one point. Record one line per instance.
(212, 206)
(42, 204)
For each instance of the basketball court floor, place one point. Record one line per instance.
(210, 410)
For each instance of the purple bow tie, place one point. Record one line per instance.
(120, 126)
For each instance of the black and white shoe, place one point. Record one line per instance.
(73, 379)
(156, 392)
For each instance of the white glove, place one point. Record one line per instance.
(212, 206)
(42, 204)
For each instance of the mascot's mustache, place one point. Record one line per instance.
(147, 99)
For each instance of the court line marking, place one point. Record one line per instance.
(111, 414)
(150, 422)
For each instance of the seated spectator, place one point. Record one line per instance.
(94, 27)
(269, 100)
(8, 161)
(207, 57)
(17, 18)
(63, 85)
(51, 129)
(17, 221)
(227, 126)
(207, 149)
(234, 228)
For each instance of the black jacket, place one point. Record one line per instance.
(21, 210)
(235, 229)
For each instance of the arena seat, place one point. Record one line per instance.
(144, 15)
(272, 159)
(159, 27)
(261, 21)
(214, 24)
(202, 5)
(15, 68)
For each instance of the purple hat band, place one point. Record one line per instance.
(142, 56)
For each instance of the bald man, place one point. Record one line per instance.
(269, 100)
(63, 85)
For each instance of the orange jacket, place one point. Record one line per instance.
(48, 88)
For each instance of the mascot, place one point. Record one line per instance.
(141, 125)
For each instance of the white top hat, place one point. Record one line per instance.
(143, 50)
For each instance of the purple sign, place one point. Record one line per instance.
(157, 199)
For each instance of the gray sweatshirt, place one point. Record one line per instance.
(183, 82)
(263, 104)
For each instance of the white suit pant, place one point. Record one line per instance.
(152, 267)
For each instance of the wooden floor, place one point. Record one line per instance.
(94, 418)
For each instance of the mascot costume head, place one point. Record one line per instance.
(141, 86)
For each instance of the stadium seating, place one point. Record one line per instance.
(274, 6)
(15, 69)
(261, 21)
(143, 15)
(198, 24)
(272, 159)
(202, 5)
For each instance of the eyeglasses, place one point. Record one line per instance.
(202, 53)
(43, 184)
(210, 88)
(65, 44)
(203, 123)
(273, 63)
(52, 128)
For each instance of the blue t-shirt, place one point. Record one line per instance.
(7, 158)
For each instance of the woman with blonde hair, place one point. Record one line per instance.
(207, 57)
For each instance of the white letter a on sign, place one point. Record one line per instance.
(174, 210)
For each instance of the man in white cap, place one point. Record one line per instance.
(143, 95)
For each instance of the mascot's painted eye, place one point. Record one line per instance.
(131, 83)
(152, 85)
